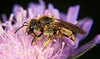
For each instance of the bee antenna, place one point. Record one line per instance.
(21, 27)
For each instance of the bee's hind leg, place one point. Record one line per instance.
(68, 33)
(73, 37)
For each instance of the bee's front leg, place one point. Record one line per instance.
(34, 39)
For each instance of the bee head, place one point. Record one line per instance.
(32, 26)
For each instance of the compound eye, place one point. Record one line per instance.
(31, 27)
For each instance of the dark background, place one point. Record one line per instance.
(88, 8)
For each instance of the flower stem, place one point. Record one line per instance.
(75, 57)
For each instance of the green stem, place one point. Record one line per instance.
(82, 52)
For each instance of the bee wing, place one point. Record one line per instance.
(68, 25)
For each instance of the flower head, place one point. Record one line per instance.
(18, 46)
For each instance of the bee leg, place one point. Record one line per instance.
(73, 37)
(46, 42)
(34, 39)
(68, 33)
(70, 36)
(40, 34)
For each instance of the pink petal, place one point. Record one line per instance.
(86, 25)
(19, 13)
(62, 16)
(72, 14)
(69, 42)
(50, 7)
(16, 9)
(4, 17)
(37, 8)
(56, 13)
(96, 40)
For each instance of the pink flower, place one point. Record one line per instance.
(18, 46)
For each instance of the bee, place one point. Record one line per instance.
(48, 25)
